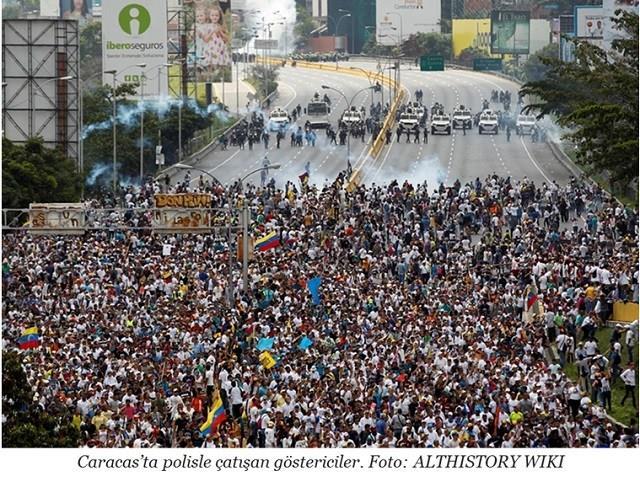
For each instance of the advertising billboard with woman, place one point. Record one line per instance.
(77, 9)
(212, 39)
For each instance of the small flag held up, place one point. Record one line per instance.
(313, 285)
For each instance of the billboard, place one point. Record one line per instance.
(49, 8)
(589, 22)
(211, 39)
(182, 212)
(57, 218)
(80, 10)
(510, 32)
(610, 7)
(135, 32)
(406, 17)
(540, 34)
(470, 32)
(37, 54)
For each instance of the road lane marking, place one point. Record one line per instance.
(534, 161)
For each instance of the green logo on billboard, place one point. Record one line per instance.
(134, 19)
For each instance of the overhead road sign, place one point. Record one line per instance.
(487, 64)
(431, 63)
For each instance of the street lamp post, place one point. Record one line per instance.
(114, 118)
(338, 24)
(142, 77)
(368, 74)
(245, 228)
(348, 14)
(81, 134)
(230, 203)
(349, 102)
(180, 61)
(399, 41)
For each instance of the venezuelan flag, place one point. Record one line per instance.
(216, 416)
(29, 339)
(269, 241)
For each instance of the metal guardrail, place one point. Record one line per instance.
(377, 144)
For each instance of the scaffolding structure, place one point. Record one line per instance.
(40, 75)
(181, 30)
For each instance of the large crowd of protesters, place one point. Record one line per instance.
(447, 315)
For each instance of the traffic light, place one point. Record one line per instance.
(377, 87)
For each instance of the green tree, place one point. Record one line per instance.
(304, 26)
(32, 172)
(534, 67)
(91, 50)
(467, 56)
(373, 48)
(25, 424)
(263, 79)
(11, 11)
(427, 44)
(98, 142)
(596, 98)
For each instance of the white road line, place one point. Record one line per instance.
(534, 161)
(223, 163)
(375, 176)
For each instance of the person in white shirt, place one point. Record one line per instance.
(590, 347)
(630, 341)
(629, 378)
(574, 400)
(209, 374)
(236, 400)
(562, 342)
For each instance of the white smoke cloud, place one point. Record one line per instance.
(272, 11)
(428, 169)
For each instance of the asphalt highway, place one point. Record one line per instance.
(464, 157)
(297, 86)
(444, 158)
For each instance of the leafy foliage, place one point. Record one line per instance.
(32, 172)
(304, 26)
(596, 97)
(535, 68)
(18, 8)
(25, 424)
(264, 79)
(91, 50)
(159, 126)
(427, 44)
(467, 56)
(373, 48)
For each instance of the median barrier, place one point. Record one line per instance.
(378, 143)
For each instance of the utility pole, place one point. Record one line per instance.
(142, 77)
(113, 124)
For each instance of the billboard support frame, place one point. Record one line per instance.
(59, 58)
(180, 25)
